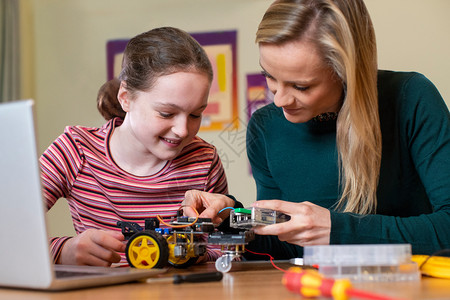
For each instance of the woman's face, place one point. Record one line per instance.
(302, 84)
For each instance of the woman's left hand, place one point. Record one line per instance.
(310, 224)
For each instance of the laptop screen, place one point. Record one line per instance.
(23, 233)
(26, 261)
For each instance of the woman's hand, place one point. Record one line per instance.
(310, 224)
(207, 205)
(93, 247)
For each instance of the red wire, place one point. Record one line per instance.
(367, 295)
(271, 259)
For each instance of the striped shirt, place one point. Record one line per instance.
(78, 166)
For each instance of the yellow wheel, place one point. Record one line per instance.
(147, 250)
(188, 259)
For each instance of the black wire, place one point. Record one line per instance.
(437, 253)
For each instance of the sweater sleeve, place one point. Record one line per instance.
(59, 166)
(266, 186)
(425, 126)
(217, 180)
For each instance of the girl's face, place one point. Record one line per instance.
(302, 84)
(161, 121)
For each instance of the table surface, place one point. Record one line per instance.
(246, 280)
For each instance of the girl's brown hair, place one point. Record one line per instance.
(147, 56)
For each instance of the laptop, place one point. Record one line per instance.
(25, 255)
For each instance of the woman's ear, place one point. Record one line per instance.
(124, 96)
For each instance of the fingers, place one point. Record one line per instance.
(192, 198)
(110, 240)
(211, 213)
(93, 247)
(207, 205)
(99, 256)
(189, 211)
(275, 229)
(109, 243)
(193, 202)
(310, 224)
(278, 205)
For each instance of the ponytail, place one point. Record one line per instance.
(107, 103)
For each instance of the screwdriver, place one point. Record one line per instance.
(311, 284)
(197, 277)
(193, 277)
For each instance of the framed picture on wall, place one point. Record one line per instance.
(258, 94)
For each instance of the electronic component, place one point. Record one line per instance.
(246, 218)
(240, 238)
(298, 261)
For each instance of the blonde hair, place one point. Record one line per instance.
(343, 33)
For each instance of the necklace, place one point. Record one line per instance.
(328, 116)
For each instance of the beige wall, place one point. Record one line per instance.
(64, 50)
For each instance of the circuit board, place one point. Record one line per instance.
(246, 218)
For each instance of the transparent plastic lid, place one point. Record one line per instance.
(366, 255)
(385, 262)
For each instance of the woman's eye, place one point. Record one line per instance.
(267, 75)
(301, 88)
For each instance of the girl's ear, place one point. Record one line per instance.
(124, 96)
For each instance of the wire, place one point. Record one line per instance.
(271, 259)
(180, 226)
(434, 265)
(367, 295)
(225, 209)
(437, 253)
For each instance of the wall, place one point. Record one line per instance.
(66, 57)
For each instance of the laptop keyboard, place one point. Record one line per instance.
(67, 274)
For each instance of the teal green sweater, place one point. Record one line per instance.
(299, 162)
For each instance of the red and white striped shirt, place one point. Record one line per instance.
(78, 166)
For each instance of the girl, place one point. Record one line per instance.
(143, 160)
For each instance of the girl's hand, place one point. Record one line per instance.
(310, 224)
(207, 205)
(93, 247)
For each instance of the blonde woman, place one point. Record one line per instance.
(353, 154)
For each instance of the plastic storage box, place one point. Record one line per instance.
(385, 262)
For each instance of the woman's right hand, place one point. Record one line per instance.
(93, 247)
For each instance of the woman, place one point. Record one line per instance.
(354, 154)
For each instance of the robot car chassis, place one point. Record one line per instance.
(185, 238)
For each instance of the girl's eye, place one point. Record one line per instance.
(195, 116)
(165, 115)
